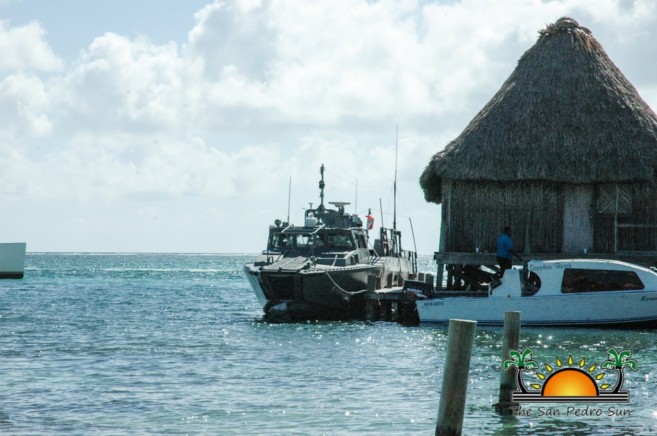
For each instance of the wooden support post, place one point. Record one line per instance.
(371, 282)
(460, 337)
(439, 277)
(450, 277)
(370, 305)
(511, 341)
(370, 310)
(429, 279)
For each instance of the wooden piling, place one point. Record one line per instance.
(511, 341)
(440, 275)
(455, 378)
(370, 305)
(371, 282)
(428, 278)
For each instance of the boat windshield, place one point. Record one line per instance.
(338, 241)
(324, 241)
(288, 241)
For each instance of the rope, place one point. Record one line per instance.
(344, 293)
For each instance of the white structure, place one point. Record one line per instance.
(577, 292)
(12, 260)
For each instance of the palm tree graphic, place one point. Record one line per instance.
(618, 361)
(523, 361)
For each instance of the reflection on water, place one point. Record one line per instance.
(150, 344)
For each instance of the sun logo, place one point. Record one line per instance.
(574, 382)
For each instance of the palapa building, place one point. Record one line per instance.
(565, 153)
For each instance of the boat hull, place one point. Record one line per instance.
(12, 260)
(319, 292)
(608, 309)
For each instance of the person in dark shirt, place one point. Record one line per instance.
(505, 251)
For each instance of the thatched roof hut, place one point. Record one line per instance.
(566, 136)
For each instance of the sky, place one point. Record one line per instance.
(182, 126)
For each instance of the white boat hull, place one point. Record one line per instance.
(252, 276)
(12, 260)
(586, 309)
(558, 299)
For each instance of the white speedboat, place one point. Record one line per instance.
(577, 292)
(12, 260)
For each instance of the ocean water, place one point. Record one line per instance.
(176, 344)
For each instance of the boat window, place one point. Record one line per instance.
(360, 238)
(341, 241)
(279, 241)
(597, 280)
(287, 241)
(304, 240)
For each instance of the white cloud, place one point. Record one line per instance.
(23, 106)
(125, 84)
(203, 132)
(234, 34)
(25, 47)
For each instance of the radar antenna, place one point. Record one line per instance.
(321, 190)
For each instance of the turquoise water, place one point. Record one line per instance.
(176, 344)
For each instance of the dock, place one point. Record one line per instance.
(396, 302)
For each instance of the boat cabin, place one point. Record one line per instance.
(330, 236)
(573, 277)
(306, 241)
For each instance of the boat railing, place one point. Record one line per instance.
(412, 257)
(374, 256)
(270, 256)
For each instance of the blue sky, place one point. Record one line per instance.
(73, 24)
(175, 126)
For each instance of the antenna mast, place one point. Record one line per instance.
(394, 212)
(356, 202)
(289, 195)
(321, 189)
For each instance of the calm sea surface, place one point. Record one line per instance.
(176, 344)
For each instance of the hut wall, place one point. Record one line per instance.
(625, 218)
(578, 218)
(478, 211)
(550, 218)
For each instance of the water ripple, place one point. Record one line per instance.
(156, 344)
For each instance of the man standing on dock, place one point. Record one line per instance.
(505, 251)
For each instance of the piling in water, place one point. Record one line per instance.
(511, 341)
(455, 378)
(370, 305)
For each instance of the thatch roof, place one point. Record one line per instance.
(566, 114)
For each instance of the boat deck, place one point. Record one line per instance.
(453, 272)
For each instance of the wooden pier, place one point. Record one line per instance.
(396, 303)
